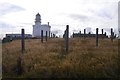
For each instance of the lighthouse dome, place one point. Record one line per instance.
(38, 18)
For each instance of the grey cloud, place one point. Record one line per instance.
(6, 8)
(5, 28)
(104, 14)
(56, 31)
(57, 25)
(27, 23)
(74, 30)
(89, 29)
(84, 18)
(108, 11)
(4, 25)
(79, 17)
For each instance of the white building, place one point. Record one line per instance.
(18, 35)
(38, 27)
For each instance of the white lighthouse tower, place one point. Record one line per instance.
(38, 27)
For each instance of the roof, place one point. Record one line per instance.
(37, 14)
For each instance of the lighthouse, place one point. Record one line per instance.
(38, 27)
(38, 19)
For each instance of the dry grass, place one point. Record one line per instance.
(48, 59)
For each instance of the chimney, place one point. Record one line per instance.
(48, 23)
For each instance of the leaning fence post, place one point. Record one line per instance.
(19, 65)
(46, 36)
(96, 37)
(73, 34)
(115, 36)
(22, 41)
(84, 33)
(102, 31)
(79, 34)
(67, 38)
(53, 35)
(19, 61)
(42, 36)
(111, 34)
(102, 34)
(105, 34)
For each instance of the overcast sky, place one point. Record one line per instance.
(78, 14)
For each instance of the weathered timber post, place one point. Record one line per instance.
(22, 40)
(84, 33)
(115, 36)
(102, 31)
(96, 37)
(67, 38)
(42, 36)
(111, 34)
(19, 69)
(102, 34)
(73, 34)
(19, 61)
(53, 35)
(105, 33)
(46, 36)
(79, 34)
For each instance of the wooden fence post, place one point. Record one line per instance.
(67, 38)
(19, 61)
(84, 33)
(46, 36)
(22, 41)
(96, 37)
(102, 34)
(42, 36)
(79, 34)
(102, 31)
(111, 34)
(73, 34)
(105, 33)
(19, 66)
(54, 35)
(115, 36)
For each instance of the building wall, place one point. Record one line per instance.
(18, 35)
(44, 28)
(89, 35)
(37, 30)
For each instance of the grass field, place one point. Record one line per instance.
(48, 59)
